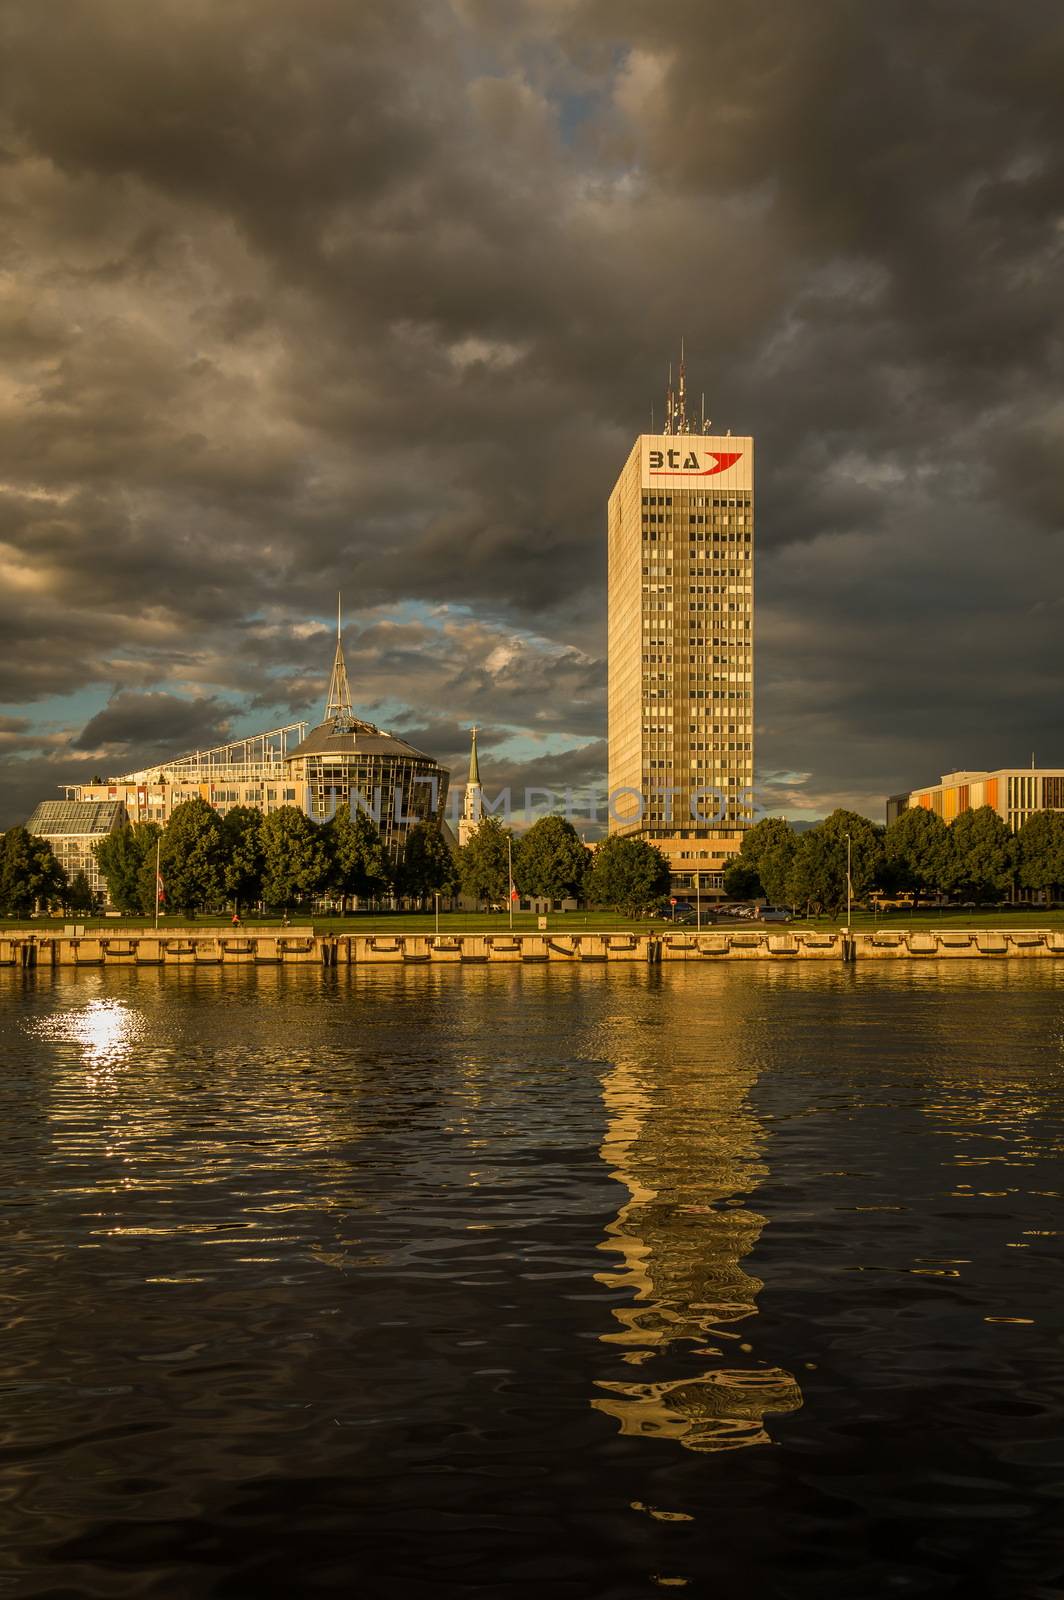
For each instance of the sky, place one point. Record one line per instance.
(319, 296)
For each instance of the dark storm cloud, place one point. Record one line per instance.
(156, 725)
(375, 297)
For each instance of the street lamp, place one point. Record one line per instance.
(849, 884)
(436, 897)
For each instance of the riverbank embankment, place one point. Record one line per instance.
(303, 946)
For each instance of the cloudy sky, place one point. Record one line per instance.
(373, 295)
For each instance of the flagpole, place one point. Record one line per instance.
(510, 875)
(158, 844)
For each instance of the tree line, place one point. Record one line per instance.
(245, 858)
(974, 858)
(551, 862)
(281, 859)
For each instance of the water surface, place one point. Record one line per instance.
(532, 1281)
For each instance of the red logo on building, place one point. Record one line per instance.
(669, 461)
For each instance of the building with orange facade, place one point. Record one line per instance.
(1015, 793)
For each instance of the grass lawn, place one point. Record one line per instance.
(557, 922)
(358, 922)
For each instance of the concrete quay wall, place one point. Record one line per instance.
(197, 947)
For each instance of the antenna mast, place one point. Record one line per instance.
(676, 418)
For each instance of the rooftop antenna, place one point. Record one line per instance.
(681, 404)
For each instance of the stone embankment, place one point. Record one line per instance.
(197, 947)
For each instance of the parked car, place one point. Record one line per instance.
(773, 914)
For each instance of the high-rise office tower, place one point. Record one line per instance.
(680, 643)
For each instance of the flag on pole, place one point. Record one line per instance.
(160, 892)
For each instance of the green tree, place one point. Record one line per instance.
(916, 852)
(774, 871)
(767, 849)
(80, 895)
(981, 856)
(29, 873)
(125, 858)
(428, 867)
(295, 859)
(242, 855)
(628, 875)
(357, 862)
(1040, 853)
(741, 880)
(147, 879)
(551, 860)
(766, 835)
(482, 862)
(817, 872)
(190, 857)
(813, 879)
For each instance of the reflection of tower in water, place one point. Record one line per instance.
(683, 1139)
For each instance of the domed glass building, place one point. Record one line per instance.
(345, 760)
(342, 760)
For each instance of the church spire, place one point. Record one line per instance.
(338, 709)
(473, 807)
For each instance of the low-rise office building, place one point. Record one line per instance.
(1015, 793)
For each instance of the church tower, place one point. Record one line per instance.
(473, 807)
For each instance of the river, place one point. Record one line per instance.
(581, 1284)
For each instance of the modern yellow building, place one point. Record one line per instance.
(1015, 793)
(680, 644)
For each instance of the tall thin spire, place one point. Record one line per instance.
(473, 804)
(338, 708)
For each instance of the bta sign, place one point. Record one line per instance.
(689, 461)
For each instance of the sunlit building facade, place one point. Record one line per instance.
(680, 644)
(73, 829)
(1015, 793)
